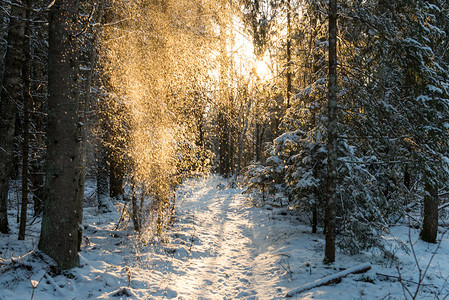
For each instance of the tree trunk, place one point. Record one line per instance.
(37, 158)
(223, 147)
(241, 142)
(135, 208)
(102, 179)
(10, 94)
(289, 55)
(225, 106)
(430, 224)
(103, 193)
(3, 30)
(329, 252)
(38, 114)
(116, 174)
(314, 218)
(63, 202)
(27, 100)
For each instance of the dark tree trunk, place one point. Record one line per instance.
(116, 175)
(63, 202)
(3, 30)
(329, 251)
(407, 179)
(289, 54)
(27, 100)
(200, 140)
(260, 131)
(224, 113)
(314, 218)
(37, 162)
(256, 142)
(241, 141)
(223, 147)
(103, 193)
(10, 94)
(430, 223)
(38, 111)
(135, 216)
(17, 145)
(102, 179)
(37, 183)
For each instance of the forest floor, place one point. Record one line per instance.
(222, 245)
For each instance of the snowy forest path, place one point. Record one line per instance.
(225, 258)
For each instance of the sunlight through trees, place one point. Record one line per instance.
(336, 110)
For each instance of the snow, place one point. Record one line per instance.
(222, 245)
(326, 280)
(434, 89)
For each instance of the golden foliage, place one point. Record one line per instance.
(155, 57)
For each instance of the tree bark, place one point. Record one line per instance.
(241, 142)
(10, 94)
(135, 216)
(314, 218)
(329, 252)
(3, 30)
(103, 193)
(225, 107)
(259, 132)
(27, 100)
(37, 158)
(102, 179)
(224, 144)
(430, 223)
(63, 202)
(289, 55)
(116, 175)
(38, 119)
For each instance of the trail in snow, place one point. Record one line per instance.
(220, 247)
(214, 251)
(226, 260)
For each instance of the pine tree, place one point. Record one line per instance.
(63, 204)
(8, 106)
(332, 157)
(27, 101)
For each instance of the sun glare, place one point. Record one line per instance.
(263, 69)
(244, 56)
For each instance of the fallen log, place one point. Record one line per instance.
(330, 279)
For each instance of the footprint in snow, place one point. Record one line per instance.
(244, 280)
(208, 282)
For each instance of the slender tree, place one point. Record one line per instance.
(289, 53)
(429, 230)
(27, 101)
(39, 92)
(102, 179)
(332, 157)
(8, 106)
(63, 201)
(242, 140)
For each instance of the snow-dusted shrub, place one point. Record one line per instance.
(369, 190)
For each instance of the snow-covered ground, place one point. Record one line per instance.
(221, 246)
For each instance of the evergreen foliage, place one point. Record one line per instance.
(393, 108)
